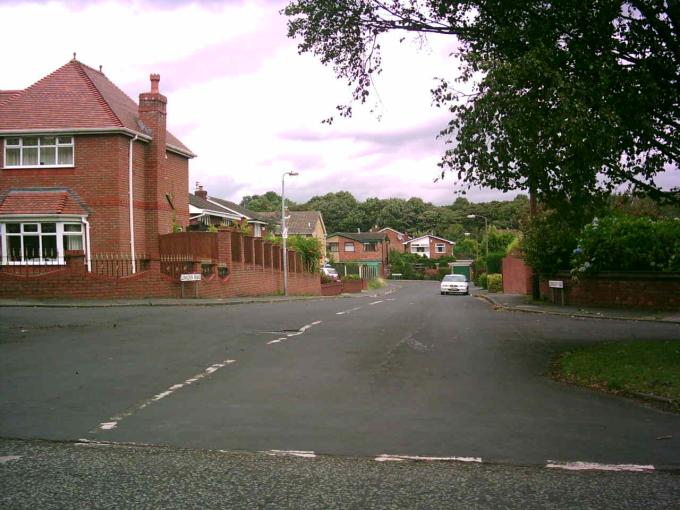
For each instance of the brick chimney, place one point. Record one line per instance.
(152, 114)
(201, 193)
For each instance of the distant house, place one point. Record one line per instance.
(368, 250)
(430, 246)
(205, 210)
(302, 223)
(396, 238)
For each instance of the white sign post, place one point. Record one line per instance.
(190, 277)
(557, 284)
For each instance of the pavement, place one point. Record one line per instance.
(509, 302)
(523, 303)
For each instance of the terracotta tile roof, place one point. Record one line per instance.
(300, 222)
(362, 237)
(48, 201)
(73, 96)
(6, 94)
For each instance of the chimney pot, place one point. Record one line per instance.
(155, 78)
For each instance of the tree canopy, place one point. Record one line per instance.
(566, 99)
(342, 212)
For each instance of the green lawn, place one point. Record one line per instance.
(626, 368)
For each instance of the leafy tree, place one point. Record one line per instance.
(269, 202)
(337, 210)
(566, 99)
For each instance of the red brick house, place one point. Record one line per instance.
(396, 238)
(430, 246)
(94, 201)
(368, 250)
(83, 167)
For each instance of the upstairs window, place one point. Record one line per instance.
(349, 246)
(371, 246)
(440, 248)
(332, 247)
(36, 151)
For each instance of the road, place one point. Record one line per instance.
(410, 373)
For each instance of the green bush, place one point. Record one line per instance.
(628, 243)
(494, 282)
(549, 241)
(481, 280)
(494, 262)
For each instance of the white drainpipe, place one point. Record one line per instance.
(87, 245)
(132, 218)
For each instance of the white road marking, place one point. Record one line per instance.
(400, 458)
(375, 302)
(594, 466)
(8, 458)
(292, 453)
(115, 420)
(349, 311)
(391, 299)
(296, 333)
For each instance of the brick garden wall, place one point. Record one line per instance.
(257, 278)
(516, 276)
(635, 290)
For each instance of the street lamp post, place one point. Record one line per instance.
(284, 230)
(486, 240)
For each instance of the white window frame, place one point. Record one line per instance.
(257, 230)
(60, 234)
(332, 245)
(56, 146)
(348, 245)
(440, 248)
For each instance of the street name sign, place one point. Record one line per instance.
(190, 277)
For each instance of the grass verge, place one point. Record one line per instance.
(376, 283)
(640, 369)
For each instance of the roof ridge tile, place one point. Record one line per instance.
(102, 101)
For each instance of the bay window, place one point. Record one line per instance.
(39, 242)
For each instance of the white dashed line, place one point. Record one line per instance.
(295, 333)
(594, 466)
(375, 302)
(115, 420)
(349, 311)
(291, 453)
(9, 458)
(401, 458)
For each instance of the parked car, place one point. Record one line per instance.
(455, 284)
(330, 272)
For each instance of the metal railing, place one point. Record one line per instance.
(118, 265)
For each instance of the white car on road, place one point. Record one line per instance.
(455, 284)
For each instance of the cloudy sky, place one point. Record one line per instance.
(243, 100)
